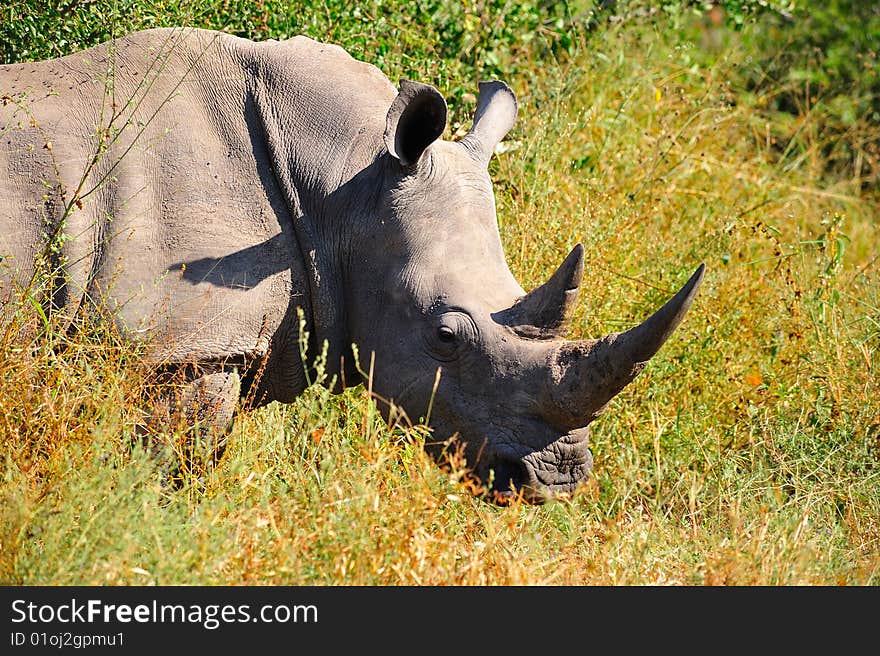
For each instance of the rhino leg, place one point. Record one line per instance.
(202, 409)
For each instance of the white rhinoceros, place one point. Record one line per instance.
(201, 188)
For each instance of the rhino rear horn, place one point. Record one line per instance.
(416, 119)
(545, 312)
(495, 115)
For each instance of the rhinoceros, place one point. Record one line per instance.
(222, 198)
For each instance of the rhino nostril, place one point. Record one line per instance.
(509, 476)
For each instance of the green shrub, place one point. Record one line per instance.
(823, 60)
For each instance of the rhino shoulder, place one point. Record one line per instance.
(330, 66)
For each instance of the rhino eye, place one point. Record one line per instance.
(445, 334)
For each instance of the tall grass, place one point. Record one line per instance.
(748, 452)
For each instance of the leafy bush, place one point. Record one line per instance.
(823, 61)
(453, 44)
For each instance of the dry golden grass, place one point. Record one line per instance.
(747, 453)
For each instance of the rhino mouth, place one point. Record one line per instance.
(509, 474)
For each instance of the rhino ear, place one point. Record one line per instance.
(416, 119)
(495, 115)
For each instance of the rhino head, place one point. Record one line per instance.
(455, 340)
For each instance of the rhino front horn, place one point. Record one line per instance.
(586, 375)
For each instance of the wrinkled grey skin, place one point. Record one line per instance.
(244, 180)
